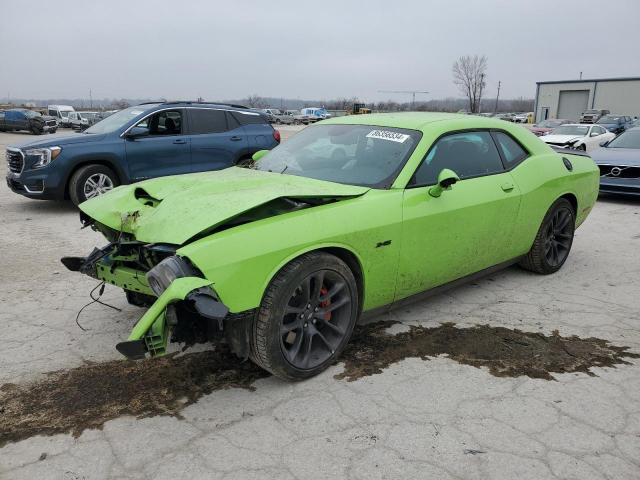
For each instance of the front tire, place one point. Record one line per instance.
(306, 317)
(553, 242)
(90, 181)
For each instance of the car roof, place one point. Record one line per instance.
(415, 120)
(179, 103)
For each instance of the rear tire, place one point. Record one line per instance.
(553, 241)
(90, 181)
(306, 317)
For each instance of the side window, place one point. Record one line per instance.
(167, 122)
(203, 120)
(469, 154)
(512, 152)
(232, 123)
(248, 118)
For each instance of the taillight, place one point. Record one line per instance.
(276, 135)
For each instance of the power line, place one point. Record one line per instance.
(410, 92)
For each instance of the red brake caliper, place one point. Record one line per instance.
(325, 303)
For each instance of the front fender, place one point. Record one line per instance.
(241, 261)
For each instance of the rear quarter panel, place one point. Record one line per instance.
(543, 178)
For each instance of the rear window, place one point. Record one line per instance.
(204, 120)
(512, 152)
(248, 118)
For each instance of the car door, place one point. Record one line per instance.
(163, 150)
(595, 136)
(467, 228)
(217, 139)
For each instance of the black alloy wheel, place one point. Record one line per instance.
(559, 237)
(316, 319)
(306, 316)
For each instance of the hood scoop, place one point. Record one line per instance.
(145, 198)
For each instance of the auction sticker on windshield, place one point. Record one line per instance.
(388, 135)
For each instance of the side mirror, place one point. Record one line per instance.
(446, 179)
(605, 143)
(258, 155)
(137, 132)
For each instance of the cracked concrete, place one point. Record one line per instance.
(418, 419)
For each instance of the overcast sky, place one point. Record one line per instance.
(303, 49)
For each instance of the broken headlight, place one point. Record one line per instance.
(165, 272)
(44, 155)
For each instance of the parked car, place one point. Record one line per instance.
(592, 116)
(315, 114)
(24, 119)
(277, 116)
(578, 136)
(508, 117)
(545, 126)
(145, 141)
(82, 120)
(615, 123)
(298, 118)
(304, 244)
(61, 113)
(523, 117)
(619, 163)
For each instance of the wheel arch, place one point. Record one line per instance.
(343, 252)
(106, 163)
(573, 200)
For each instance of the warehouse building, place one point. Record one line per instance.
(569, 98)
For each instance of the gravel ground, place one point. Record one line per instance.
(444, 416)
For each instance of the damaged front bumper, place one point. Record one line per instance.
(151, 332)
(187, 308)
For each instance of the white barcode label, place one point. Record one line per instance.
(388, 135)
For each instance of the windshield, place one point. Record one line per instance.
(549, 123)
(352, 154)
(118, 119)
(31, 114)
(628, 139)
(609, 119)
(570, 130)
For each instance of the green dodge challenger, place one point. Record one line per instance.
(351, 216)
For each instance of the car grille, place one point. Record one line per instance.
(619, 171)
(15, 161)
(51, 123)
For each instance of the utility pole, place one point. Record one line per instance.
(495, 110)
(580, 75)
(90, 100)
(411, 92)
(480, 94)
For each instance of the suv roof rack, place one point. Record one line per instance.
(232, 105)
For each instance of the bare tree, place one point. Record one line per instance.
(255, 101)
(469, 75)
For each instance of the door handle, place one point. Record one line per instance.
(180, 141)
(235, 138)
(507, 186)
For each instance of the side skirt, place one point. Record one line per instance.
(417, 297)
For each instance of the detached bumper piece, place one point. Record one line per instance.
(151, 334)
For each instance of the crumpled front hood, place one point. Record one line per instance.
(175, 209)
(560, 138)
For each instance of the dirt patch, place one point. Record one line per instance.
(506, 352)
(87, 397)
